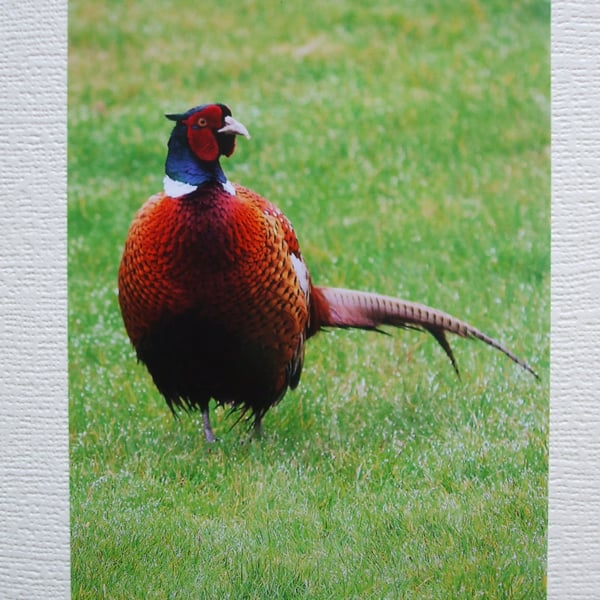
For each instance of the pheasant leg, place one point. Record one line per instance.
(208, 432)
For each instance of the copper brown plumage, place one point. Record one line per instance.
(214, 292)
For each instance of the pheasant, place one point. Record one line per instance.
(215, 295)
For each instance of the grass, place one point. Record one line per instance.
(409, 145)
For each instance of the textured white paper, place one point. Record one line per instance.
(34, 533)
(34, 502)
(574, 533)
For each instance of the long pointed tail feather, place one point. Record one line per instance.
(363, 310)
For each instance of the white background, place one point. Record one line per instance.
(34, 520)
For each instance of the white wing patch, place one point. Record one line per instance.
(301, 274)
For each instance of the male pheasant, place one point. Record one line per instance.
(215, 295)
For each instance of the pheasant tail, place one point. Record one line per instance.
(342, 308)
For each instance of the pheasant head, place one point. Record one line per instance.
(200, 137)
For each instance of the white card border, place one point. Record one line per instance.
(574, 479)
(34, 473)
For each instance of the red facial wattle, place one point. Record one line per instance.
(201, 132)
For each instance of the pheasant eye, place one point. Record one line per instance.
(202, 122)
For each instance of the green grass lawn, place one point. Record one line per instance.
(408, 142)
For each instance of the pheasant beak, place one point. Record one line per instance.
(233, 127)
